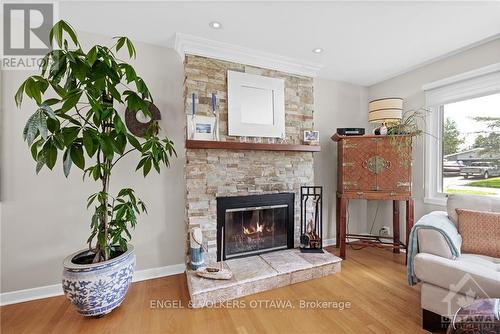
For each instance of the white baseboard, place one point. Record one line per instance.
(329, 242)
(20, 296)
(145, 274)
(26, 295)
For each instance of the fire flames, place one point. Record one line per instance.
(258, 228)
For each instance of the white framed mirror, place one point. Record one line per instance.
(256, 105)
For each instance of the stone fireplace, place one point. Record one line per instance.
(247, 201)
(252, 225)
(215, 173)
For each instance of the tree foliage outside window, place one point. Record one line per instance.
(452, 139)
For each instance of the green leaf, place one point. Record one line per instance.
(71, 101)
(34, 149)
(30, 131)
(130, 74)
(114, 93)
(92, 55)
(134, 142)
(41, 160)
(91, 199)
(51, 102)
(147, 167)
(67, 162)
(19, 94)
(131, 48)
(118, 123)
(88, 142)
(48, 110)
(51, 156)
(94, 104)
(53, 125)
(33, 90)
(77, 156)
(120, 143)
(58, 89)
(56, 32)
(106, 145)
(120, 43)
(66, 27)
(41, 123)
(96, 172)
(70, 133)
(69, 118)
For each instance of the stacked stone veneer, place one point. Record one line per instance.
(213, 173)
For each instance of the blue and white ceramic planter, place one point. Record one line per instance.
(98, 288)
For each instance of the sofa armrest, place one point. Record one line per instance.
(432, 241)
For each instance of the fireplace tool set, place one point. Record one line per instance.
(311, 203)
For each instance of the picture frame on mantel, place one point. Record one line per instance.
(200, 127)
(256, 105)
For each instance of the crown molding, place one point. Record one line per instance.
(482, 71)
(199, 46)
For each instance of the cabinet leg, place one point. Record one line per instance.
(395, 226)
(342, 227)
(337, 222)
(409, 222)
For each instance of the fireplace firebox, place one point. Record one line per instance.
(251, 225)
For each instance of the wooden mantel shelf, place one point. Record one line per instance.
(231, 145)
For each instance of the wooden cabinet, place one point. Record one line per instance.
(374, 164)
(374, 168)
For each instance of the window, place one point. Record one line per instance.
(463, 141)
(471, 146)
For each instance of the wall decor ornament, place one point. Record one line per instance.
(256, 105)
(138, 123)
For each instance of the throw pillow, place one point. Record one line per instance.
(480, 231)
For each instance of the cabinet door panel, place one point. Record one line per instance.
(356, 152)
(396, 176)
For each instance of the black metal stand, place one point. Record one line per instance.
(311, 231)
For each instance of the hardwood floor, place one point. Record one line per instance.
(373, 280)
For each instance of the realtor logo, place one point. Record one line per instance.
(26, 28)
(471, 291)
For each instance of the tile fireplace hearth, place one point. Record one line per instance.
(255, 240)
(259, 273)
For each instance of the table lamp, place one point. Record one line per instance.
(385, 111)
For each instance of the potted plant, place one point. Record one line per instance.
(403, 133)
(77, 118)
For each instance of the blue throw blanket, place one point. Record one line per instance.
(437, 220)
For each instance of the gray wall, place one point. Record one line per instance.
(43, 218)
(409, 87)
(337, 105)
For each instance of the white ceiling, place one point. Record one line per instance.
(364, 42)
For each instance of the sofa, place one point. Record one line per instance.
(448, 281)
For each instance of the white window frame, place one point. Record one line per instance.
(476, 83)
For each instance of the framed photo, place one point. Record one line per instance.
(311, 137)
(256, 105)
(200, 127)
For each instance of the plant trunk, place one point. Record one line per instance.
(105, 221)
(102, 254)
